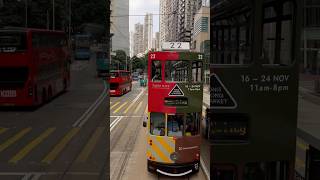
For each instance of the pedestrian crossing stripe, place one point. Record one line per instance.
(14, 139)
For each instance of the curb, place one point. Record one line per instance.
(205, 169)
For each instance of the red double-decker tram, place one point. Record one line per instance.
(120, 82)
(34, 66)
(175, 92)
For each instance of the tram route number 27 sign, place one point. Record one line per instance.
(220, 97)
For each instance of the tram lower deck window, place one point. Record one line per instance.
(157, 124)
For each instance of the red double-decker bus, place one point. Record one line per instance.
(120, 82)
(34, 66)
(175, 91)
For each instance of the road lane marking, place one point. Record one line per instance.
(115, 122)
(90, 145)
(300, 163)
(204, 168)
(302, 145)
(114, 105)
(146, 110)
(138, 108)
(133, 102)
(59, 147)
(118, 109)
(3, 130)
(13, 139)
(87, 114)
(23, 152)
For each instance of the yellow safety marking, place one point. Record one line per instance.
(157, 150)
(114, 105)
(23, 152)
(3, 130)
(129, 107)
(90, 145)
(302, 145)
(146, 110)
(118, 109)
(13, 139)
(165, 145)
(137, 109)
(59, 147)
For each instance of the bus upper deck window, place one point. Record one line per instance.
(176, 71)
(175, 125)
(157, 124)
(156, 71)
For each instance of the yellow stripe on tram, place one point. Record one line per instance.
(59, 147)
(114, 105)
(118, 109)
(139, 106)
(23, 152)
(165, 145)
(90, 145)
(13, 139)
(3, 130)
(157, 150)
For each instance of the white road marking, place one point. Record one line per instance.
(115, 122)
(87, 114)
(205, 169)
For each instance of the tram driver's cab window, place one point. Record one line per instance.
(175, 125)
(156, 71)
(196, 71)
(176, 71)
(192, 124)
(157, 124)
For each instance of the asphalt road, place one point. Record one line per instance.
(66, 138)
(128, 138)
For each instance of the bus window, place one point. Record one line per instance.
(156, 71)
(196, 71)
(12, 41)
(175, 125)
(114, 74)
(157, 124)
(176, 71)
(192, 124)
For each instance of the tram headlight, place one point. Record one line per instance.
(174, 156)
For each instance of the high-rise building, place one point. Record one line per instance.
(120, 26)
(157, 43)
(186, 11)
(148, 31)
(138, 43)
(163, 21)
(131, 44)
(201, 30)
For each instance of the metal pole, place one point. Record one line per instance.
(53, 16)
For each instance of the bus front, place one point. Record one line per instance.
(175, 92)
(15, 68)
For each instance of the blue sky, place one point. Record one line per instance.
(141, 7)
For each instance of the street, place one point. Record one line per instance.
(128, 137)
(63, 139)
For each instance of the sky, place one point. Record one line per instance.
(141, 7)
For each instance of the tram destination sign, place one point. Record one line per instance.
(179, 101)
(230, 127)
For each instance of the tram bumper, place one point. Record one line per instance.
(174, 170)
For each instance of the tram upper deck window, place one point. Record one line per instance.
(175, 125)
(156, 71)
(277, 33)
(192, 124)
(196, 71)
(176, 71)
(157, 124)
